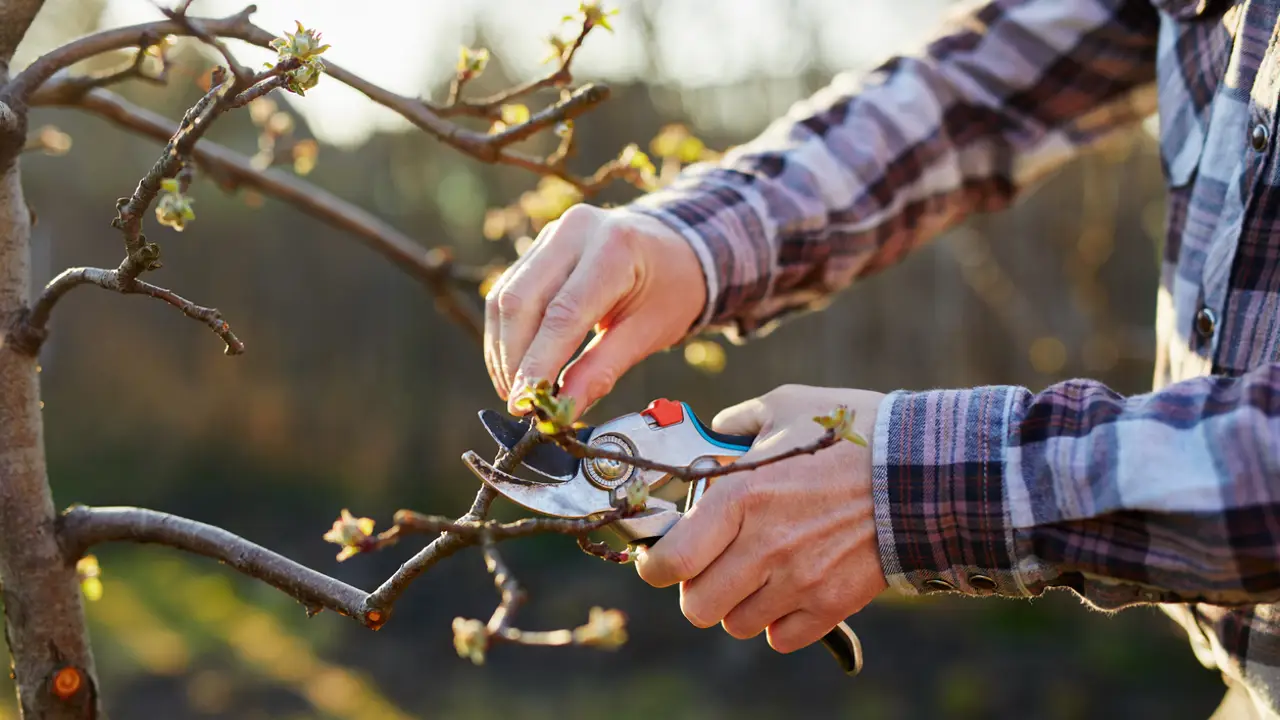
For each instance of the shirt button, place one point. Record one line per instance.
(982, 582)
(1206, 321)
(1258, 138)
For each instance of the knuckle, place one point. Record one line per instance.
(739, 628)
(784, 642)
(810, 577)
(577, 213)
(695, 611)
(510, 304)
(562, 313)
(602, 382)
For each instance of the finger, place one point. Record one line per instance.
(491, 337)
(798, 630)
(593, 288)
(696, 540)
(761, 609)
(707, 598)
(609, 355)
(745, 418)
(524, 298)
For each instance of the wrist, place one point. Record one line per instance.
(724, 221)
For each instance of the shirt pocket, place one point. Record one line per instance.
(1193, 48)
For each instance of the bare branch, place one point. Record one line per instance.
(193, 25)
(233, 170)
(482, 146)
(16, 17)
(408, 521)
(31, 329)
(80, 528)
(222, 96)
(491, 107)
(134, 70)
(603, 551)
(449, 543)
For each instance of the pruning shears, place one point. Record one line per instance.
(666, 432)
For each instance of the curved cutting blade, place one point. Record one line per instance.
(546, 458)
(577, 498)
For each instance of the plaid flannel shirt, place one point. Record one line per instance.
(1169, 497)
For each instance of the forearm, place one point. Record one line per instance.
(1172, 496)
(853, 178)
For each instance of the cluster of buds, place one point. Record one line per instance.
(471, 63)
(353, 534)
(470, 639)
(593, 15)
(173, 209)
(840, 423)
(554, 414)
(606, 629)
(304, 46)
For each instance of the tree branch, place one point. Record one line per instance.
(80, 528)
(16, 17)
(222, 96)
(449, 543)
(482, 146)
(491, 107)
(232, 170)
(31, 329)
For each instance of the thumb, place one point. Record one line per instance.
(745, 418)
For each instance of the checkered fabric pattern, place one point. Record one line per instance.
(1170, 497)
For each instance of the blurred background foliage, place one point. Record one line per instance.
(355, 393)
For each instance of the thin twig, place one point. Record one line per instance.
(233, 170)
(179, 14)
(222, 96)
(513, 596)
(408, 521)
(449, 543)
(491, 107)
(30, 331)
(603, 551)
(580, 449)
(482, 146)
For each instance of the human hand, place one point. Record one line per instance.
(789, 548)
(629, 276)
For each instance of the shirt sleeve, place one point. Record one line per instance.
(1171, 496)
(850, 180)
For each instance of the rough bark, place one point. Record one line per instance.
(44, 616)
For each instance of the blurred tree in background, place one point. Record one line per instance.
(268, 444)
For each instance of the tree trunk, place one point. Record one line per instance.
(44, 615)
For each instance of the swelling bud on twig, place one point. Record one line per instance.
(304, 45)
(637, 493)
(554, 415)
(173, 209)
(840, 424)
(352, 533)
(594, 15)
(471, 62)
(470, 639)
(606, 629)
